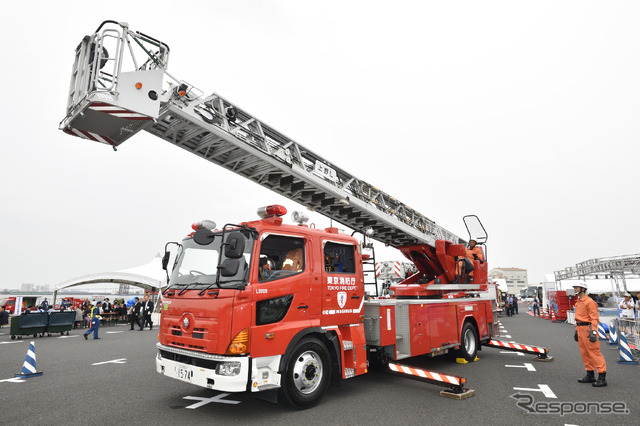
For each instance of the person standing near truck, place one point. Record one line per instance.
(135, 313)
(536, 306)
(587, 319)
(4, 316)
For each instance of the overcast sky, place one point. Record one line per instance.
(524, 113)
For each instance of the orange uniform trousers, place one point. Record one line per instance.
(590, 351)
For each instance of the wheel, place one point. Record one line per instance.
(307, 375)
(13, 337)
(19, 337)
(468, 342)
(35, 336)
(67, 333)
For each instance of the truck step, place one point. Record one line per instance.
(347, 345)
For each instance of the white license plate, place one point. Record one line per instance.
(185, 374)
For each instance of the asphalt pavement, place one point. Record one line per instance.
(113, 380)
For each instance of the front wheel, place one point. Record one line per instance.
(307, 375)
(468, 342)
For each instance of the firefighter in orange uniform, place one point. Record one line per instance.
(587, 319)
(474, 252)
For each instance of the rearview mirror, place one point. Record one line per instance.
(165, 260)
(229, 267)
(234, 247)
(204, 237)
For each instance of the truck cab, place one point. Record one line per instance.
(263, 305)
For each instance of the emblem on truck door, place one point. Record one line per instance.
(342, 298)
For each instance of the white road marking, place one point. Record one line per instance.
(67, 337)
(526, 365)
(113, 332)
(14, 380)
(205, 401)
(509, 352)
(546, 390)
(508, 336)
(7, 343)
(113, 361)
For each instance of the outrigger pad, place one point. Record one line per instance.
(548, 358)
(466, 393)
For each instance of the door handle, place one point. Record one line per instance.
(303, 306)
(355, 296)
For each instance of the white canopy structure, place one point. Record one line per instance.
(150, 277)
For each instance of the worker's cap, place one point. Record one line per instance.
(473, 241)
(580, 284)
(627, 295)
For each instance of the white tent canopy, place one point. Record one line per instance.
(150, 276)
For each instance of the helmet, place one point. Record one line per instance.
(580, 284)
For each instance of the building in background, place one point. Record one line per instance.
(515, 278)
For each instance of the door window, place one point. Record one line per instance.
(280, 257)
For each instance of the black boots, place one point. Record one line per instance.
(589, 378)
(602, 380)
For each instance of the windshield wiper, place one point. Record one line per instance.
(208, 287)
(189, 285)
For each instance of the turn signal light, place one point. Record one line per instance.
(271, 211)
(138, 85)
(239, 344)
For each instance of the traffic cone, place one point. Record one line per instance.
(541, 312)
(546, 316)
(602, 335)
(29, 367)
(553, 316)
(625, 353)
(613, 335)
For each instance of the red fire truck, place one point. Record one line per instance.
(262, 305)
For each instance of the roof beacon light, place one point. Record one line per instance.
(271, 211)
(204, 224)
(299, 217)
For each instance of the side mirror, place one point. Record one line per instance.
(229, 267)
(204, 237)
(234, 247)
(165, 260)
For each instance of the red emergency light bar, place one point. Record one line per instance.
(204, 224)
(271, 211)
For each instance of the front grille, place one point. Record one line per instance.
(189, 360)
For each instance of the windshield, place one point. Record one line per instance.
(196, 266)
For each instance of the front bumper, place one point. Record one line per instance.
(201, 369)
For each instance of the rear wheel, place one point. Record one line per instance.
(468, 342)
(307, 375)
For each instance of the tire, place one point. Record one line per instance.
(307, 375)
(469, 342)
(13, 337)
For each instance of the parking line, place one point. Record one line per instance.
(526, 365)
(545, 389)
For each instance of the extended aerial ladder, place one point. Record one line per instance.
(118, 89)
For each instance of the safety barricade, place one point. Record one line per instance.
(631, 329)
(30, 324)
(61, 322)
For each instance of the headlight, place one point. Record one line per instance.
(228, 369)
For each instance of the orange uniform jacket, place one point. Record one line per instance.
(587, 311)
(477, 251)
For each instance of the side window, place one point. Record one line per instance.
(339, 258)
(280, 257)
